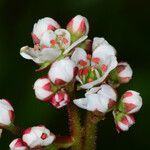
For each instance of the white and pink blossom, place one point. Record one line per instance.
(38, 136)
(93, 69)
(43, 89)
(78, 26)
(123, 122)
(60, 99)
(6, 113)
(42, 26)
(62, 71)
(131, 102)
(18, 144)
(101, 98)
(124, 72)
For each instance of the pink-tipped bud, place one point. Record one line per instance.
(131, 102)
(6, 113)
(78, 26)
(43, 89)
(18, 144)
(123, 122)
(124, 72)
(41, 27)
(38, 136)
(62, 71)
(60, 99)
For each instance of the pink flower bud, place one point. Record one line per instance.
(38, 136)
(60, 99)
(124, 72)
(18, 144)
(78, 26)
(43, 89)
(6, 113)
(131, 102)
(101, 98)
(62, 71)
(123, 122)
(42, 26)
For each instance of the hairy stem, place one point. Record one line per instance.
(74, 120)
(75, 127)
(91, 122)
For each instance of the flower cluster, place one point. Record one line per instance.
(73, 58)
(73, 63)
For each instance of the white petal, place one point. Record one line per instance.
(62, 69)
(49, 54)
(122, 126)
(94, 103)
(46, 54)
(82, 102)
(135, 99)
(127, 72)
(5, 107)
(107, 91)
(98, 42)
(42, 26)
(47, 37)
(101, 45)
(79, 54)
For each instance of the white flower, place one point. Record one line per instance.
(124, 72)
(38, 136)
(102, 61)
(43, 89)
(18, 144)
(78, 26)
(123, 122)
(52, 45)
(60, 99)
(6, 113)
(131, 102)
(101, 98)
(62, 71)
(42, 26)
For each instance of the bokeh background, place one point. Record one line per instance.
(124, 23)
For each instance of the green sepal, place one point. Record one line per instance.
(113, 76)
(43, 66)
(121, 107)
(118, 116)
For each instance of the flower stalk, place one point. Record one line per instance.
(91, 121)
(74, 120)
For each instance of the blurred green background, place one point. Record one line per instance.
(124, 23)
